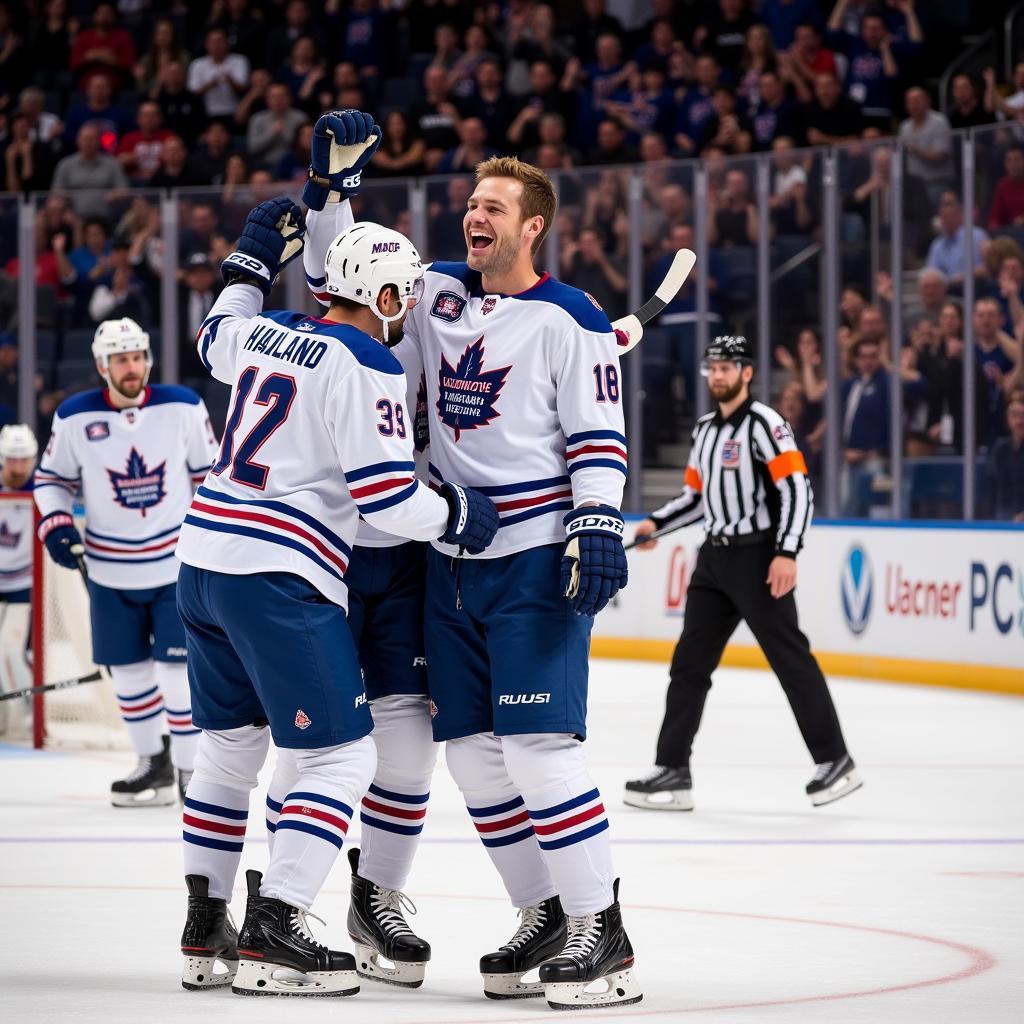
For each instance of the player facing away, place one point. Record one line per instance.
(385, 583)
(747, 480)
(523, 398)
(265, 546)
(135, 451)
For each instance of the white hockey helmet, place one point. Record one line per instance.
(18, 442)
(368, 257)
(123, 335)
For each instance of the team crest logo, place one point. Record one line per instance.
(488, 304)
(781, 431)
(433, 710)
(856, 587)
(302, 720)
(129, 415)
(730, 454)
(468, 392)
(448, 306)
(8, 538)
(97, 430)
(420, 428)
(594, 301)
(138, 488)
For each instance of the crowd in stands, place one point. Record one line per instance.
(104, 105)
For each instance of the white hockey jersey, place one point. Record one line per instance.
(15, 542)
(136, 469)
(317, 435)
(523, 400)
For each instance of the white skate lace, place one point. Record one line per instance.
(387, 906)
(583, 935)
(143, 768)
(301, 927)
(653, 774)
(822, 770)
(532, 921)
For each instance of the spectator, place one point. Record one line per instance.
(537, 41)
(254, 101)
(784, 19)
(683, 308)
(927, 144)
(28, 164)
(220, 76)
(1010, 282)
(294, 165)
(364, 37)
(236, 178)
(164, 49)
(176, 170)
(51, 44)
(789, 209)
(696, 107)
(140, 151)
(103, 51)
(605, 210)
(471, 150)
(202, 227)
(43, 126)
(646, 106)
(209, 161)
(865, 427)
(490, 104)
(89, 168)
(299, 23)
(832, 118)
(446, 47)
(551, 131)
(611, 146)
(776, 114)
(90, 261)
(544, 97)
(946, 252)
(597, 81)
(401, 151)
(662, 44)
(122, 291)
(723, 33)
(302, 73)
(873, 66)
(270, 133)
(447, 234)
(931, 296)
(184, 112)
(997, 354)
(733, 220)
(8, 366)
(200, 285)
(724, 130)
(462, 72)
(872, 202)
(593, 22)
(966, 109)
(52, 267)
(945, 393)
(758, 57)
(807, 371)
(1008, 202)
(1006, 470)
(805, 59)
(599, 273)
(1012, 107)
(98, 110)
(435, 118)
(672, 207)
(245, 30)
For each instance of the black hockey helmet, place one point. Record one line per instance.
(731, 347)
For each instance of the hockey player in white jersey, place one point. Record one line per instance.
(135, 451)
(315, 438)
(524, 403)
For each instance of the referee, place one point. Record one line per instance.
(746, 478)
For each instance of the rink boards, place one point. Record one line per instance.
(908, 601)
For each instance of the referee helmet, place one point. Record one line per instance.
(729, 347)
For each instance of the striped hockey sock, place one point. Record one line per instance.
(172, 678)
(213, 827)
(141, 704)
(392, 822)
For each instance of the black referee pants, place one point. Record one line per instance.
(728, 584)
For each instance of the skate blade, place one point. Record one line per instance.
(371, 964)
(513, 986)
(268, 979)
(617, 989)
(162, 796)
(843, 786)
(669, 800)
(200, 972)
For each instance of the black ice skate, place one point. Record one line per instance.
(209, 937)
(278, 957)
(184, 778)
(387, 949)
(597, 950)
(832, 780)
(151, 784)
(540, 935)
(664, 789)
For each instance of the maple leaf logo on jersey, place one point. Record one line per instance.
(8, 538)
(138, 488)
(468, 392)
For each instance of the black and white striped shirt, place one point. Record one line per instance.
(744, 475)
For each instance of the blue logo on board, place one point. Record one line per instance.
(856, 587)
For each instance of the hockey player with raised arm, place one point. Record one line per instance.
(135, 451)
(523, 399)
(385, 581)
(313, 441)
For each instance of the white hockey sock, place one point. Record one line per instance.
(393, 809)
(141, 704)
(568, 818)
(172, 678)
(499, 814)
(314, 819)
(217, 805)
(282, 782)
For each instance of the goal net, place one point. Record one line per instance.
(52, 643)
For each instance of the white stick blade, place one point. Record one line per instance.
(628, 332)
(678, 272)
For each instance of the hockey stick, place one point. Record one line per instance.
(78, 554)
(630, 329)
(64, 684)
(640, 539)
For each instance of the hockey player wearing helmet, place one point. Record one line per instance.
(18, 449)
(133, 452)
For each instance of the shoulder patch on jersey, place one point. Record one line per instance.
(461, 272)
(576, 302)
(167, 394)
(97, 430)
(447, 306)
(84, 401)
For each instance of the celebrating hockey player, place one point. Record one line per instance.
(523, 398)
(316, 436)
(135, 451)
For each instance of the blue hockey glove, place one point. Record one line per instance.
(472, 518)
(594, 565)
(272, 237)
(343, 143)
(57, 531)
